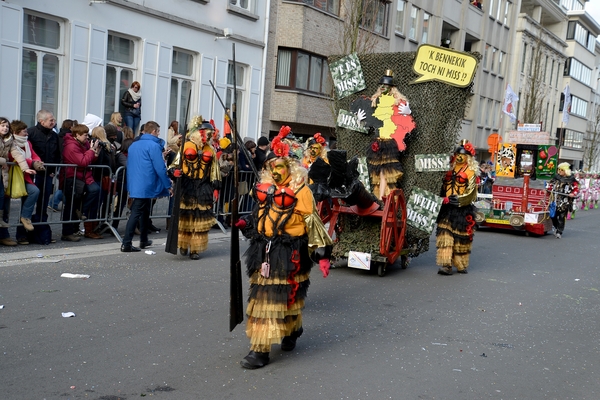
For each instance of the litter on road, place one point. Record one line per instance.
(74, 276)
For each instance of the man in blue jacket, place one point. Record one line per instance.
(146, 179)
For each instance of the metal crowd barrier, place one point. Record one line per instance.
(112, 200)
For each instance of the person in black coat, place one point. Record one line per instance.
(45, 143)
(261, 152)
(132, 102)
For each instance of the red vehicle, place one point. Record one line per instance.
(516, 204)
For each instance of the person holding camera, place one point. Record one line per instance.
(102, 175)
(81, 191)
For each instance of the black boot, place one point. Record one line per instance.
(255, 360)
(445, 271)
(289, 342)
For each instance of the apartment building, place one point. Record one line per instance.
(555, 48)
(74, 57)
(591, 146)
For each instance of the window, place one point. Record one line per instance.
(493, 6)
(572, 5)
(42, 54)
(507, 9)
(375, 16)
(120, 49)
(182, 70)
(426, 19)
(247, 5)
(577, 70)
(413, 22)
(545, 69)
(120, 67)
(523, 57)
(481, 110)
(545, 126)
(486, 56)
(400, 7)
(551, 73)
(499, 12)
(578, 106)
(572, 139)
(42, 32)
(531, 60)
(577, 32)
(495, 114)
(501, 58)
(330, 6)
(493, 59)
(240, 80)
(303, 71)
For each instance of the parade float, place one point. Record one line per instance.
(524, 162)
(398, 120)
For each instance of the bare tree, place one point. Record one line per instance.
(360, 20)
(591, 150)
(535, 88)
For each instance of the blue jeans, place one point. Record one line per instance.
(29, 201)
(132, 121)
(57, 197)
(140, 212)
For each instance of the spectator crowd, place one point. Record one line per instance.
(82, 170)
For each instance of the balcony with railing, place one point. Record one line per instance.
(546, 12)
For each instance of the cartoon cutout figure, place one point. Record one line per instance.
(506, 160)
(392, 108)
(387, 111)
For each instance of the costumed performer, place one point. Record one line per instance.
(200, 180)
(286, 237)
(456, 220)
(315, 148)
(565, 189)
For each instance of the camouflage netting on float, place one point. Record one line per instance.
(438, 111)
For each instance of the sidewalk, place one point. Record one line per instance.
(85, 248)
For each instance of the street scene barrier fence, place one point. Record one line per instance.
(106, 202)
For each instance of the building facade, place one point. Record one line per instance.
(74, 57)
(555, 49)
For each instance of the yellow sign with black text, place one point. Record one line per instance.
(497, 221)
(452, 67)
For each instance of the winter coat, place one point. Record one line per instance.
(45, 143)
(106, 157)
(9, 148)
(76, 153)
(29, 161)
(128, 102)
(146, 170)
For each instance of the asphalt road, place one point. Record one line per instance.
(523, 324)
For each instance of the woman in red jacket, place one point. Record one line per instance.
(81, 191)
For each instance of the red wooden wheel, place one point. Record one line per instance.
(393, 226)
